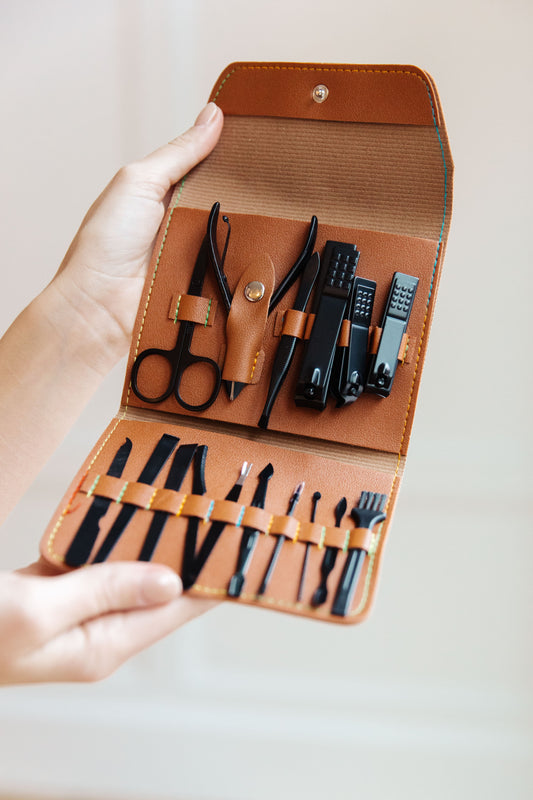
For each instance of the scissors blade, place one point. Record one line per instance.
(200, 268)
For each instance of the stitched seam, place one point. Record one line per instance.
(285, 68)
(151, 500)
(180, 509)
(93, 487)
(177, 309)
(208, 311)
(254, 365)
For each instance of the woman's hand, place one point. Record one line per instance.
(83, 625)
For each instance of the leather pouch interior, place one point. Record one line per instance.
(372, 162)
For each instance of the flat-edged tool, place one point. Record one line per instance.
(287, 344)
(366, 514)
(161, 453)
(329, 559)
(215, 530)
(250, 535)
(316, 498)
(281, 538)
(176, 474)
(83, 542)
(199, 488)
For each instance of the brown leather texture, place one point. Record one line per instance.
(373, 163)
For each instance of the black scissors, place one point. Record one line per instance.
(180, 357)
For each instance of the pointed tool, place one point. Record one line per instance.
(86, 535)
(250, 535)
(316, 498)
(181, 463)
(330, 557)
(215, 530)
(198, 488)
(281, 538)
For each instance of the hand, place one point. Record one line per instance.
(83, 625)
(103, 272)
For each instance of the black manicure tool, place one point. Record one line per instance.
(335, 286)
(349, 369)
(250, 535)
(218, 262)
(367, 513)
(180, 357)
(199, 488)
(281, 538)
(329, 559)
(176, 474)
(161, 453)
(287, 344)
(397, 312)
(215, 530)
(80, 548)
(316, 498)
(234, 388)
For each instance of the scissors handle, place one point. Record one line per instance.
(178, 370)
(189, 360)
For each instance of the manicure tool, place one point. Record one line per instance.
(250, 535)
(234, 388)
(180, 357)
(287, 344)
(335, 286)
(316, 498)
(180, 464)
(397, 312)
(86, 535)
(367, 513)
(215, 530)
(349, 369)
(281, 538)
(329, 559)
(199, 488)
(149, 473)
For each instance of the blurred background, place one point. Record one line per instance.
(431, 697)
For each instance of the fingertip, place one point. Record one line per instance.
(207, 115)
(159, 585)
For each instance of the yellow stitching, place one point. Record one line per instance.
(180, 509)
(253, 366)
(151, 500)
(295, 537)
(281, 68)
(177, 309)
(270, 521)
(322, 538)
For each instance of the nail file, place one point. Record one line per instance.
(198, 488)
(86, 535)
(250, 535)
(349, 371)
(162, 451)
(176, 474)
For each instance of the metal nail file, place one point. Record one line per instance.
(349, 369)
(80, 548)
(366, 514)
(250, 535)
(198, 488)
(316, 498)
(216, 529)
(176, 474)
(161, 453)
(281, 538)
(287, 344)
(329, 559)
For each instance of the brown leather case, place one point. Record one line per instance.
(372, 162)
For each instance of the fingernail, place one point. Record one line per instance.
(160, 586)
(206, 115)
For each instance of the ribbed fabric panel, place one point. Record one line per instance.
(376, 177)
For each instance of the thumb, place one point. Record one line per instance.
(165, 166)
(103, 588)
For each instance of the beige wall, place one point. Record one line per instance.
(432, 696)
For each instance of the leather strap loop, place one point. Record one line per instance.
(189, 308)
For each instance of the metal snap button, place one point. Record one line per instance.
(320, 93)
(254, 291)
